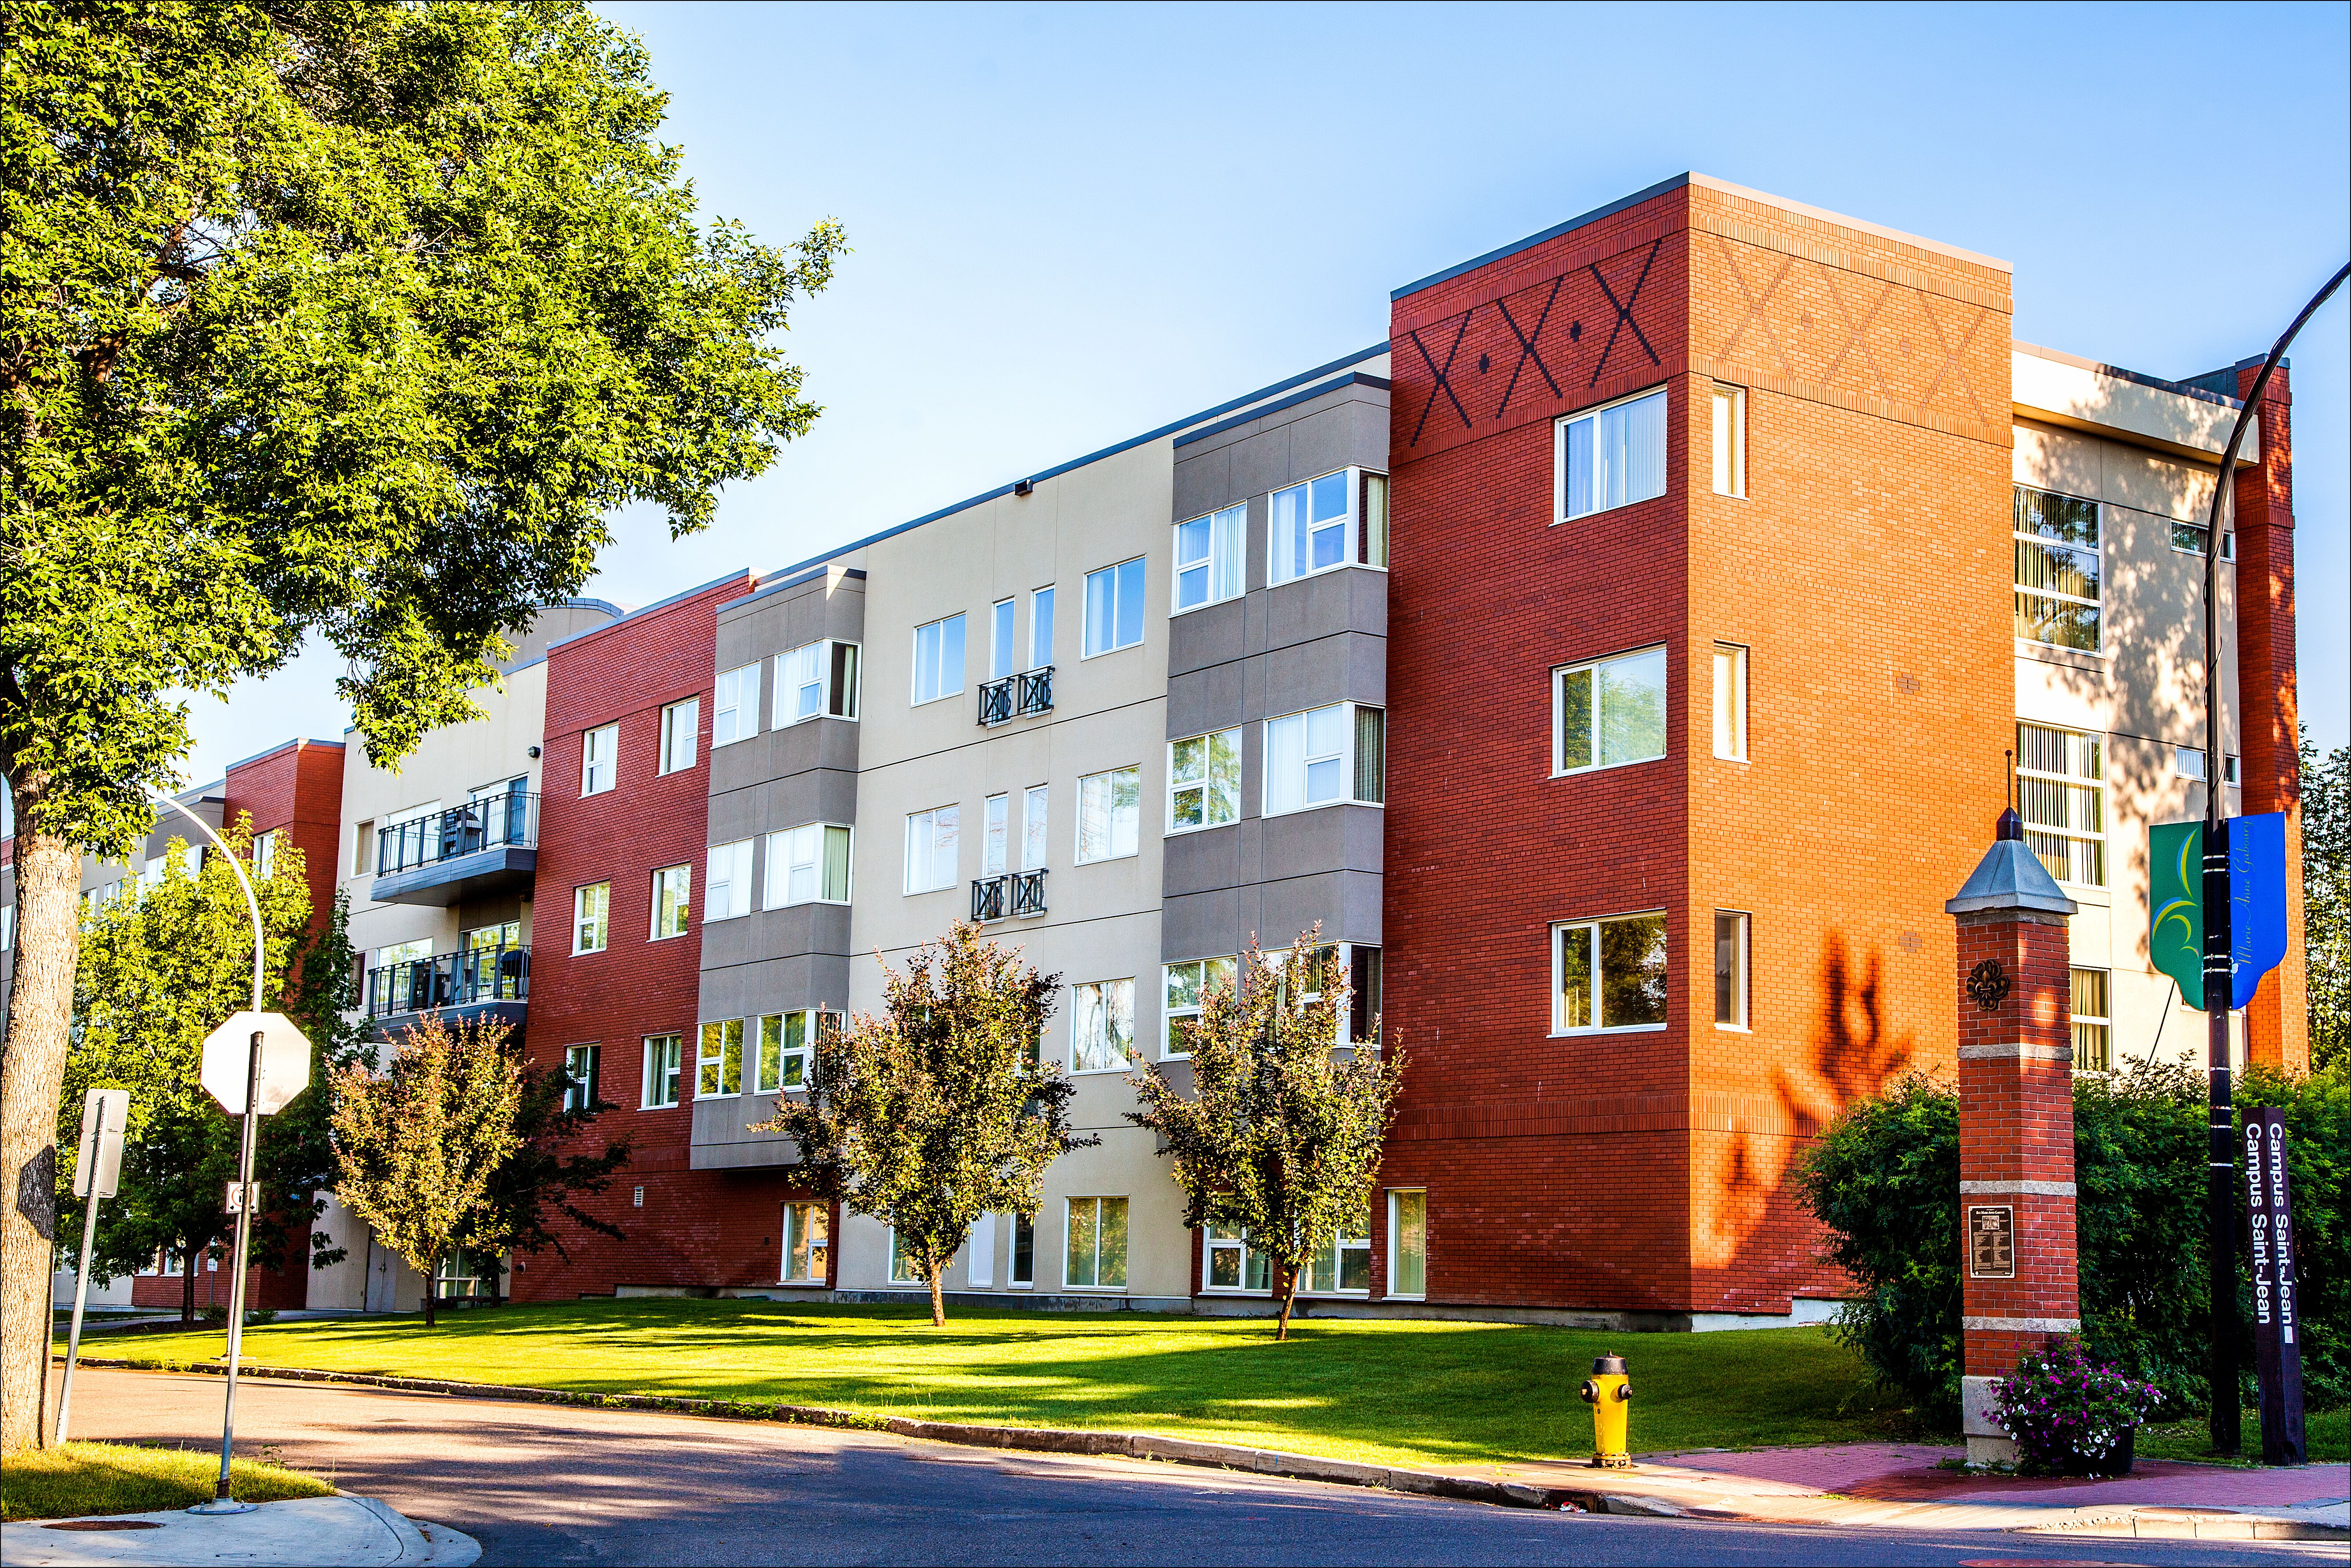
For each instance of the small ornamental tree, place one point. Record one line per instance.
(940, 1108)
(2326, 899)
(552, 1162)
(420, 1146)
(1281, 1134)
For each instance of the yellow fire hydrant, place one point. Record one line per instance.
(1609, 1393)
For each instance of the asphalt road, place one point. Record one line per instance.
(537, 1483)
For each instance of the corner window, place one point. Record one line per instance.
(730, 881)
(1331, 521)
(1407, 1241)
(1344, 1265)
(1230, 1264)
(719, 1070)
(1182, 987)
(1110, 815)
(1730, 927)
(1097, 1244)
(679, 723)
(1609, 713)
(808, 1244)
(1115, 608)
(2091, 1018)
(580, 1077)
(1204, 781)
(808, 864)
(673, 892)
(591, 917)
(2061, 793)
(1729, 701)
(1613, 455)
(2058, 569)
(1208, 557)
(1326, 756)
(1609, 974)
(1101, 1025)
(820, 680)
(599, 749)
(782, 1045)
(938, 660)
(662, 1052)
(931, 849)
(735, 707)
(1730, 440)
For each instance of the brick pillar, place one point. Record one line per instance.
(2020, 1286)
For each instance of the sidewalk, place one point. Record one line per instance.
(339, 1532)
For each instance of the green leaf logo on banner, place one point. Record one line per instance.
(2175, 901)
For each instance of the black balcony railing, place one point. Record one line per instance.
(499, 974)
(1015, 696)
(492, 822)
(995, 701)
(1014, 895)
(990, 897)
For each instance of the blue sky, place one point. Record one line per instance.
(1071, 223)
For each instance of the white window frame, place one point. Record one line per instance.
(1346, 757)
(929, 859)
(1334, 1250)
(895, 1255)
(2081, 1023)
(580, 1066)
(791, 1062)
(2194, 545)
(792, 682)
(1036, 827)
(1743, 984)
(1360, 542)
(1003, 641)
(1205, 783)
(1593, 925)
(1560, 514)
(710, 1066)
(678, 878)
(1112, 574)
(1395, 1246)
(2076, 787)
(1171, 1013)
(1729, 701)
(1233, 1239)
(728, 882)
(1728, 406)
(1107, 782)
(810, 1241)
(2097, 551)
(802, 847)
(599, 755)
(1110, 995)
(730, 705)
(680, 724)
(1125, 1261)
(1040, 627)
(939, 660)
(665, 1072)
(1222, 571)
(1559, 769)
(265, 853)
(582, 921)
(996, 836)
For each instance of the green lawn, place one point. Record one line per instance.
(2327, 1434)
(111, 1477)
(1385, 1390)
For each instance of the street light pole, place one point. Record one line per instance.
(2220, 968)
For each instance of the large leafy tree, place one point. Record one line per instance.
(1280, 1133)
(940, 1108)
(2326, 899)
(331, 319)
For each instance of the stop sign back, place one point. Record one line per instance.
(285, 1061)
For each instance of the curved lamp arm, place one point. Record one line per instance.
(253, 905)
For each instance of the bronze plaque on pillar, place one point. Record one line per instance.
(1991, 1241)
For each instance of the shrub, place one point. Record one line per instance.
(2064, 1408)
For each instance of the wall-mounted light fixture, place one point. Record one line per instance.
(1023, 486)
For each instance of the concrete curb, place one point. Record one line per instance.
(420, 1542)
(345, 1528)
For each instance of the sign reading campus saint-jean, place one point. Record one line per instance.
(2256, 903)
(2277, 1312)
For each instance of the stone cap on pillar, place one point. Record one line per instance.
(2011, 878)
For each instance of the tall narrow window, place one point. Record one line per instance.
(729, 881)
(591, 917)
(1612, 456)
(979, 1255)
(1610, 712)
(843, 701)
(1208, 557)
(808, 864)
(1204, 781)
(931, 848)
(1023, 1271)
(265, 855)
(1003, 656)
(679, 722)
(1729, 701)
(672, 891)
(2061, 793)
(1097, 1243)
(938, 660)
(808, 1244)
(599, 749)
(1101, 1022)
(735, 707)
(1033, 841)
(1115, 608)
(1110, 814)
(663, 1054)
(2091, 1018)
(1313, 526)
(1040, 628)
(1729, 969)
(1184, 986)
(1326, 756)
(1374, 521)
(992, 846)
(1609, 974)
(578, 1077)
(718, 1070)
(1729, 440)
(2058, 569)
(1407, 1241)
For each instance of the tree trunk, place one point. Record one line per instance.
(1289, 1298)
(938, 1299)
(188, 1289)
(431, 1279)
(32, 1074)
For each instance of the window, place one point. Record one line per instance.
(938, 660)
(1023, 1271)
(598, 751)
(1333, 520)
(1613, 455)
(800, 685)
(1032, 827)
(979, 1257)
(931, 850)
(902, 1266)
(2061, 793)
(1101, 1025)
(1326, 756)
(362, 848)
(1110, 814)
(2057, 569)
(673, 890)
(1344, 1265)
(1407, 1241)
(662, 1052)
(730, 881)
(1352, 964)
(808, 864)
(1204, 781)
(1231, 1263)
(2091, 1050)
(783, 1045)
(403, 952)
(735, 707)
(1040, 628)
(579, 1070)
(1609, 974)
(1730, 440)
(808, 1244)
(2187, 761)
(1097, 1244)
(1729, 701)
(999, 827)
(678, 726)
(1003, 656)
(1183, 986)
(1730, 928)
(265, 855)
(1208, 557)
(2191, 538)
(1115, 608)
(1609, 713)
(718, 1070)
(591, 917)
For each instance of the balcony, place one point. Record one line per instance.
(1015, 696)
(1015, 894)
(481, 981)
(483, 847)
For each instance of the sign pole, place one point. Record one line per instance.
(81, 1300)
(97, 1173)
(222, 1502)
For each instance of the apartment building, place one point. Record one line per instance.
(1621, 665)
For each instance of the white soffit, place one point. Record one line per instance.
(2077, 394)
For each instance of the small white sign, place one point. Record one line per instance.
(285, 1061)
(243, 1194)
(103, 1114)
